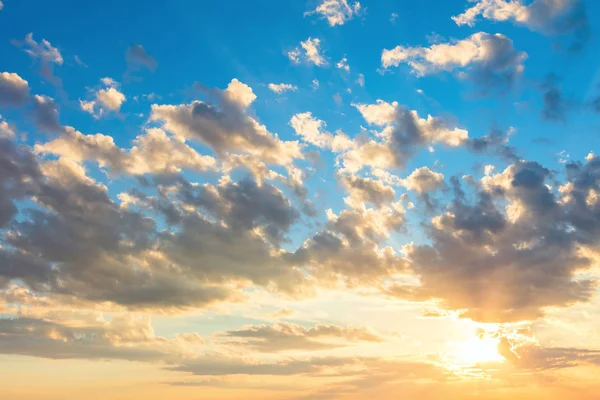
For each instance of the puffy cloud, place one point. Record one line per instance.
(282, 87)
(423, 180)
(347, 251)
(336, 12)
(486, 59)
(14, 90)
(311, 129)
(506, 264)
(106, 100)
(286, 336)
(153, 152)
(309, 51)
(405, 131)
(366, 191)
(551, 17)
(226, 127)
(45, 53)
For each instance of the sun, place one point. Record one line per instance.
(477, 350)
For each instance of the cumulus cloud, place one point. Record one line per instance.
(423, 180)
(364, 191)
(405, 131)
(226, 127)
(551, 17)
(152, 153)
(309, 51)
(508, 262)
(486, 59)
(14, 90)
(282, 87)
(106, 100)
(336, 12)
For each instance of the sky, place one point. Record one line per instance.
(304, 199)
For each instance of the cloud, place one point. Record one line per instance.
(87, 336)
(488, 60)
(154, 152)
(14, 90)
(348, 250)
(308, 51)
(45, 112)
(336, 12)
(137, 59)
(226, 127)
(45, 53)
(106, 100)
(360, 80)
(343, 64)
(507, 264)
(555, 106)
(282, 87)
(423, 180)
(364, 191)
(405, 131)
(550, 17)
(6, 130)
(286, 336)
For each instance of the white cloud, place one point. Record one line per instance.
(105, 100)
(282, 87)
(422, 180)
(485, 58)
(311, 129)
(337, 12)
(538, 15)
(343, 64)
(309, 51)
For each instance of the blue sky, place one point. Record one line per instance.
(242, 186)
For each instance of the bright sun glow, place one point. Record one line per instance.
(477, 350)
